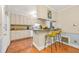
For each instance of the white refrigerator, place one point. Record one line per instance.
(5, 31)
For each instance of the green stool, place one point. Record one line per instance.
(54, 35)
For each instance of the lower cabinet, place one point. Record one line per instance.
(15, 35)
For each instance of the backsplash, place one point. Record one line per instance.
(20, 27)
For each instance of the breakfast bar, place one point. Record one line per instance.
(39, 37)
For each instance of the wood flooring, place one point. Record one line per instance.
(20, 46)
(57, 48)
(25, 46)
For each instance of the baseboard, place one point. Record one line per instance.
(39, 48)
(4, 50)
(72, 45)
(42, 47)
(75, 46)
(21, 39)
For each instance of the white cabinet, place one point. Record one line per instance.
(42, 12)
(12, 17)
(0, 29)
(29, 18)
(25, 20)
(15, 35)
(4, 30)
(5, 33)
(21, 19)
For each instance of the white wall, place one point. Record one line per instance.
(65, 20)
(68, 17)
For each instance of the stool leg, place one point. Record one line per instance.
(51, 48)
(45, 41)
(59, 39)
(55, 44)
(51, 45)
(60, 43)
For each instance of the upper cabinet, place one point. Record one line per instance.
(43, 12)
(29, 15)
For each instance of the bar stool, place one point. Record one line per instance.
(54, 34)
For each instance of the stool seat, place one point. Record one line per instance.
(53, 33)
(56, 35)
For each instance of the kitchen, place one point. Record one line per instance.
(37, 23)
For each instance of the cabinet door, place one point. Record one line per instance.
(17, 19)
(42, 12)
(30, 20)
(12, 17)
(25, 20)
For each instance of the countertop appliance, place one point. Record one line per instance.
(36, 26)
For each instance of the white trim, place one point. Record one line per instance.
(39, 48)
(42, 47)
(72, 45)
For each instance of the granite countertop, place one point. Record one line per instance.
(48, 29)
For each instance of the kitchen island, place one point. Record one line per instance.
(39, 38)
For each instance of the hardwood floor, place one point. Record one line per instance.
(25, 46)
(57, 48)
(20, 46)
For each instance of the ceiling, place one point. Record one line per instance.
(28, 8)
(60, 7)
(20, 9)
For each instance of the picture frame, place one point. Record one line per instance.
(49, 14)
